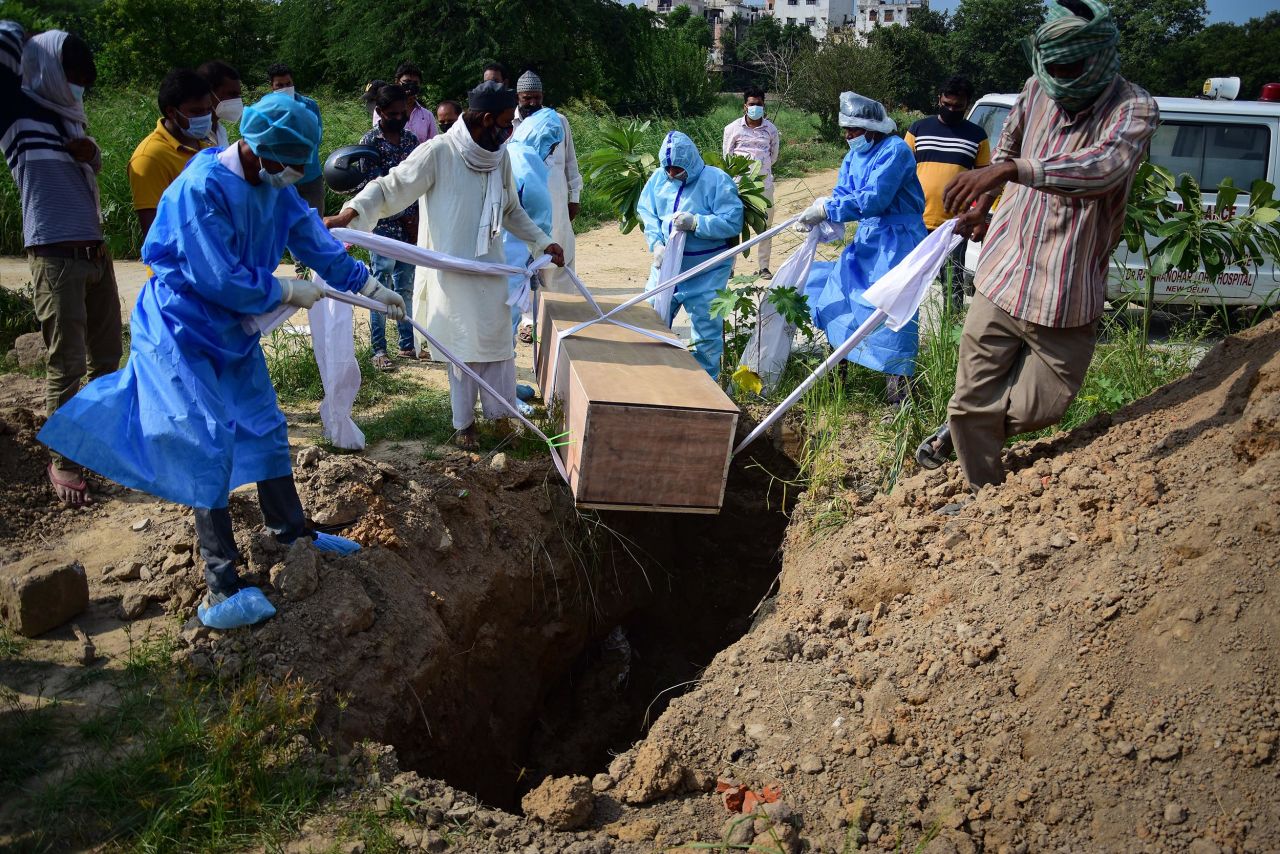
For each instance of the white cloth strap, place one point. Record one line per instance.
(672, 260)
(713, 261)
(440, 350)
(412, 254)
(896, 295)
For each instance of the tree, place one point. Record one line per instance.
(1153, 36)
(1247, 51)
(840, 66)
(691, 27)
(138, 41)
(985, 42)
(917, 54)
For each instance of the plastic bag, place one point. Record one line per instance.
(247, 606)
(670, 268)
(334, 345)
(769, 347)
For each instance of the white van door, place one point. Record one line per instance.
(1210, 146)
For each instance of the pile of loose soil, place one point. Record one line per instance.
(1081, 658)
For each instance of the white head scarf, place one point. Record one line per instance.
(482, 159)
(45, 82)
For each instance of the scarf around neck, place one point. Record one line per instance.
(45, 82)
(1066, 38)
(479, 159)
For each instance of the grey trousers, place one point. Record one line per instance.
(281, 513)
(1013, 377)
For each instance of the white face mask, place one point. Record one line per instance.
(286, 90)
(289, 176)
(77, 92)
(230, 110)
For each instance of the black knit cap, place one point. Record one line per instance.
(491, 97)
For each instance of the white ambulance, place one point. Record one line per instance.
(1212, 139)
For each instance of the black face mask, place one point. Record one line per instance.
(492, 139)
(950, 116)
(444, 126)
(528, 110)
(393, 125)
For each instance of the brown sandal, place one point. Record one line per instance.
(467, 438)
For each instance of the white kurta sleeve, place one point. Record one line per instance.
(571, 174)
(395, 191)
(516, 221)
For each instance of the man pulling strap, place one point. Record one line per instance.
(193, 414)
(467, 196)
(1065, 161)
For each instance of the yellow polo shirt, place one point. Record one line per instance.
(154, 165)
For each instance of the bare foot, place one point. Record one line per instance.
(69, 486)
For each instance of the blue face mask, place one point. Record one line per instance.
(198, 127)
(860, 144)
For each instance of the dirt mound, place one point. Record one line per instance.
(25, 496)
(1081, 658)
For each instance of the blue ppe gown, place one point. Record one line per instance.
(530, 146)
(711, 196)
(193, 414)
(880, 191)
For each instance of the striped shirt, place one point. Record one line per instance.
(59, 200)
(943, 151)
(1047, 251)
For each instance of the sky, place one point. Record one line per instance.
(1235, 11)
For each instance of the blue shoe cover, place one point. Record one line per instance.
(335, 544)
(246, 607)
(525, 392)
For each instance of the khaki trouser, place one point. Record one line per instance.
(1013, 377)
(78, 308)
(764, 249)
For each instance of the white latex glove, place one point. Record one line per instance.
(375, 290)
(300, 292)
(816, 212)
(658, 252)
(684, 221)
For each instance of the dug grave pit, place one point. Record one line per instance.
(489, 631)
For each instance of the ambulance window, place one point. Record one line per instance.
(990, 117)
(1213, 152)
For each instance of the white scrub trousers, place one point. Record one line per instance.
(463, 391)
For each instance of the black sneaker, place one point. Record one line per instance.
(766, 273)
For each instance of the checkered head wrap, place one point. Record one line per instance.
(1069, 36)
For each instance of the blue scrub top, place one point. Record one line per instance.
(879, 190)
(193, 414)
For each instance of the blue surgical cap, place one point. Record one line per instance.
(280, 127)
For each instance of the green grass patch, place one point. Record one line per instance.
(1122, 371)
(179, 764)
(291, 363)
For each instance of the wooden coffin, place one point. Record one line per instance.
(648, 429)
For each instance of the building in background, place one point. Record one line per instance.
(717, 13)
(823, 17)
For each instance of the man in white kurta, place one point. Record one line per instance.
(466, 195)
(565, 183)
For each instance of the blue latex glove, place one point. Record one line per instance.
(246, 607)
(335, 544)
